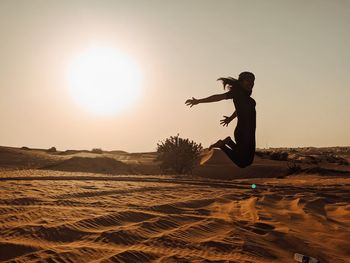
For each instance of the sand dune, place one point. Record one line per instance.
(90, 165)
(86, 216)
(159, 220)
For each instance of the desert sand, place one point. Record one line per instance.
(79, 206)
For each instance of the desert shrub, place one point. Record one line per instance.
(263, 154)
(96, 150)
(331, 158)
(343, 162)
(279, 156)
(178, 155)
(293, 168)
(52, 149)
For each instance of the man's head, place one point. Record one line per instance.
(247, 81)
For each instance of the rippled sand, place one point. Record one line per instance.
(49, 216)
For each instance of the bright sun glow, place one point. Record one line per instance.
(104, 81)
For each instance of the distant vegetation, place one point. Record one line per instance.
(273, 155)
(52, 149)
(178, 155)
(293, 168)
(304, 155)
(96, 150)
(279, 156)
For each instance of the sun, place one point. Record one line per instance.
(104, 81)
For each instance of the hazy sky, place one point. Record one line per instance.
(298, 50)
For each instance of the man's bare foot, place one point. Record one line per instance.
(218, 144)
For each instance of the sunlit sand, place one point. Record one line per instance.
(134, 214)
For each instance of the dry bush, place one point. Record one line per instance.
(331, 158)
(52, 150)
(263, 154)
(96, 150)
(293, 168)
(279, 156)
(178, 155)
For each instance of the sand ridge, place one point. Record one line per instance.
(158, 220)
(83, 206)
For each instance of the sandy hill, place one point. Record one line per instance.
(73, 210)
(91, 165)
(276, 162)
